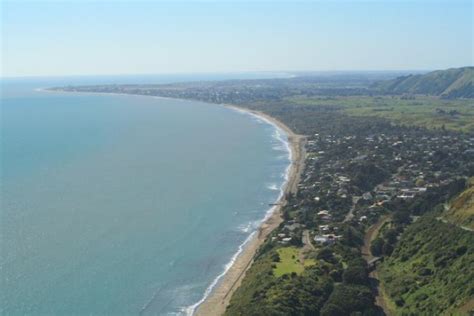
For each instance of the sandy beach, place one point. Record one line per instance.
(217, 302)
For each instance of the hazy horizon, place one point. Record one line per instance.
(288, 72)
(143, 38)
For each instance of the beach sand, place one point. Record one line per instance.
(217, 302)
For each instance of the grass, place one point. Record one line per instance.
(425, 111)
(290, 262)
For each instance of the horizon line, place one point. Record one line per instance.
(232, 72)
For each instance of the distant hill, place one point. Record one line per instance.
(461, 211)
(450, 83)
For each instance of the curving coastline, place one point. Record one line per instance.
(219, 297)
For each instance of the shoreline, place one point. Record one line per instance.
(217, 296)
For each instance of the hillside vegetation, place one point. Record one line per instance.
(268, 290)
(461, 211)
(450, 83)
(431, 270)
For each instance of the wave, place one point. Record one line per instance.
(191, 309)
(273, 187)
(250, 226)
(281, 136)
(245, 228)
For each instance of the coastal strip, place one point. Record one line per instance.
(219, 298)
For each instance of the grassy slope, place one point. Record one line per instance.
(455, 82)
(290, 262)
(464, 81)
(431, 271)
(461, 211)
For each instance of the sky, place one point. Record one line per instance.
(59, 38)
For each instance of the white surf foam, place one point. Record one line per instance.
(281, 136)
(273, 187)
(191, 309)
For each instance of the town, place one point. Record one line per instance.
(354, 177)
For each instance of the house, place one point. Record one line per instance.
(292, 227)
(367, 196)
(324, 228)
(406, 196)
(321, 239)
(326, 239)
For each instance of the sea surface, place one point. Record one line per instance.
(126, 205)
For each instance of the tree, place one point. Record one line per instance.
(391, 236)
(376, 246)
(352, 237)
(355, 275)
(401, 217)
(387, 249)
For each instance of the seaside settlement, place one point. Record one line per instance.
(367, 182)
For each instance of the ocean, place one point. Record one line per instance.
(126, 205)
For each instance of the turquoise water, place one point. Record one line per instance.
(126, 205)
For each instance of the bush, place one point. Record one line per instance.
(399, 302)
(332, 310)
(275, 257)
(336, 275)
(425, 272)
(461, 250)
(325, 254)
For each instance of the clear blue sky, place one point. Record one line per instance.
(131, 37)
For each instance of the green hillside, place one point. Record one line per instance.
(431, 271)
(461, 211)
(450, 83)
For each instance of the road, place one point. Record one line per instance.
(307, 244)
(350, 215)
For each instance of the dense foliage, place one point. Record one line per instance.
(431, 270)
